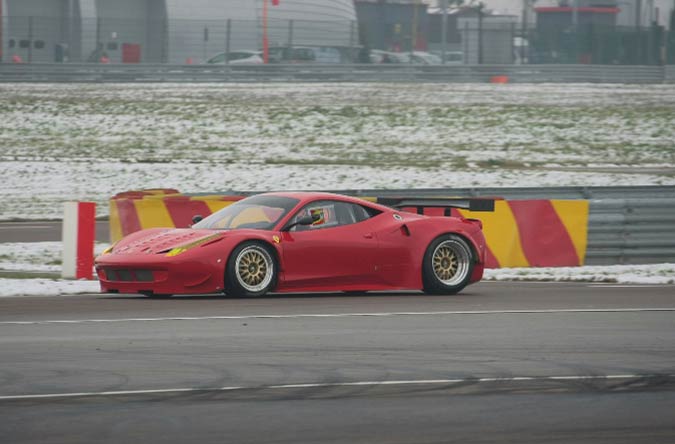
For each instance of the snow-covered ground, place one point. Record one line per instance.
(33, 257)
(62, 142)
(622, 274)
(46, 256)
(45, 287)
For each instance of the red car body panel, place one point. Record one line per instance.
(384, 252)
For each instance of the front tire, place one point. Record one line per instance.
(251, 270)
(448, 265)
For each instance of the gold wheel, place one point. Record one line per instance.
(254, 268)
(445, 263)
(451, 262)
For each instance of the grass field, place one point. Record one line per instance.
(77, 142)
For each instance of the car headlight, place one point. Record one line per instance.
(183, 248)
(109, 249)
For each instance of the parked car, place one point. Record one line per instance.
(243, 57)
(304, 54)
(425, 58)
(303, 242)
(451, 57)
(379, 56)
(415, 58)
(454, 57)
(283, 54)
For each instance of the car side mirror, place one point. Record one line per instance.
(196, 218)
(304, 220)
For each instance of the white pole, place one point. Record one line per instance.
(69, 238)
(78, 234)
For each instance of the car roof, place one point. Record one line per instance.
(309, 196)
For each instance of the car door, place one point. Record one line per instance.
(337, 252)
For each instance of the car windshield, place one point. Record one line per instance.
(257, 212)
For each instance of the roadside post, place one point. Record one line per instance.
(78, 234)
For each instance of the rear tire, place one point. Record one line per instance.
(251, 270)
(448, 265)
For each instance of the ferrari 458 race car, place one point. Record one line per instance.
(303, 242)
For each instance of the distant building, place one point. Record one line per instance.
(631, 12)
(489, 39)
(158, 31)
(391, 24)
(474, 36)
(587, 33)
(563, 16)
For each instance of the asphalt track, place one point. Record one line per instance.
(501, 362)
(41, 231)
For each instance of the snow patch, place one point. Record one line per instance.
(45, 287)
(621, 274)
(656, 274)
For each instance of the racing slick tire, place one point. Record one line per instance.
(448, 265)
(251, 270)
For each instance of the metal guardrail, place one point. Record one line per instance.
(589, 193)
(627, 225)
(71, 72)
(631, 231)
(669, 74)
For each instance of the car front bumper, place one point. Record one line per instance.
(132, 276)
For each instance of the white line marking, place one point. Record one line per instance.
(343, 315)
(337, 384)
(629, 286)
(11, 226)
(491, 280)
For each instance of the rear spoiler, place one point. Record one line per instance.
(471, 204)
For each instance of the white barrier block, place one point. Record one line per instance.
(78, 234)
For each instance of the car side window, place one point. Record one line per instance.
(331, 213)
(362, 213)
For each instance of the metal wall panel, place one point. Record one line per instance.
(198, 28)
(189, 22)
(38, 23)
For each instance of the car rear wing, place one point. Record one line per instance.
(471, 204)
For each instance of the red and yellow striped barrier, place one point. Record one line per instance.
(533, 233)
(134, 211)
(519, 233)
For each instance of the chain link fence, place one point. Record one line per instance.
(177, 41)
(109, 40)
(597, 44)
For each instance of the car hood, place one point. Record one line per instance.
(155, 242)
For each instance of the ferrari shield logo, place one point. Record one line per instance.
(276, 239)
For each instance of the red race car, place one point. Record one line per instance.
(303, 242)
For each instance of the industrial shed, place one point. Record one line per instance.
(165, 31)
